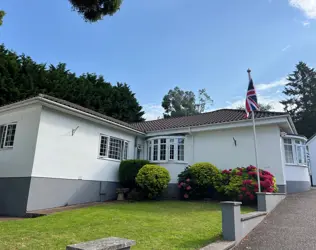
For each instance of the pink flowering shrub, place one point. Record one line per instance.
(186, 184)
(242, 184)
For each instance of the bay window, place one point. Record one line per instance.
(169, 148)
(113, 148)
(295, 151)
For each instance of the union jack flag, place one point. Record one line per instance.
(251, 98)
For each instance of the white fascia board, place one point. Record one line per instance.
(292, 126)
(66, 109)
(19, 104)
(211, 127)
(84, 115)
(295, 137)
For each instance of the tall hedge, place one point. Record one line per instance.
(21, 77)
(128, 171)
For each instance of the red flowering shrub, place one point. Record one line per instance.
(242, 184)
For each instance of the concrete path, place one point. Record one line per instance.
(291, 226)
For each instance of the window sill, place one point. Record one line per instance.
(295, 165)
(169, 162)
(108, 159)
(6, 148)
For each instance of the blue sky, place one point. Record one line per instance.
(155, 45)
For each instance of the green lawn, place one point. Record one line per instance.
(154, 225)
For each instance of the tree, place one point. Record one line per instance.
(21, 78)
(262, 107)
(301, 98)
(95, 10)
(179, 103)
(2, 14)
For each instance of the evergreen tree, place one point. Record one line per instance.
(301, 98)
(21, 78)
(95, 10)
(2, 14)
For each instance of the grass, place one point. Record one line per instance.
(154, 225)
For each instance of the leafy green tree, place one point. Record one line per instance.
(2, 14)
(300, 99)
(21, 77)
(179, 103)
(95, 10)
(263, 107)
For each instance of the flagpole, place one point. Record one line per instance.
(255, 140)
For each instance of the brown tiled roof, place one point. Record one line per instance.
(215, 117)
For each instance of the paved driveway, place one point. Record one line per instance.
(292, 225)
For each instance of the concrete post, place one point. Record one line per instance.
(231, 220)
(261, 199)
(268, 201)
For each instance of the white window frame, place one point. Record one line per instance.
(298, 146)
(124, 148)
(6, 134)
(150, 149)
(293, 152)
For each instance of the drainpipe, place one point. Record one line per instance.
(192, 149)
(135, 147)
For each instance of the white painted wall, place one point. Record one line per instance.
(296, 173)
(312, 156)
(61, 155)
(18, 161)
(174, 169)
(218, 148)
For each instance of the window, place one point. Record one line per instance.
(103, 146)
(125, 150)
(149, 150)
(171, 149)
(288, 151)
(180, 149)
(7, 134)
(163, 149)
(166, 148)
(113, 148)
(155, 157)
(301, 154)
(295, 151)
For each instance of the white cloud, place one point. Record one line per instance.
(286, 48)
(273, 98)
(307, 6)
(274, 102)
(153, 111)
(265, 86)
(306, 23)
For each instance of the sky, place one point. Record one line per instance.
(155, 45)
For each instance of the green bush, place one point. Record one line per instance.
(128, 171)
(204, 173)
(197, 181)
(153, 180)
